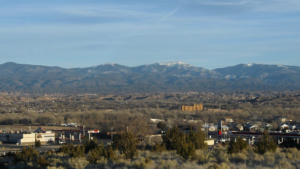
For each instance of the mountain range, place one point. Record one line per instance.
(157, 77)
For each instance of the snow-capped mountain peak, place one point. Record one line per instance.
(252, 64)
(111, 64)
(175, 63)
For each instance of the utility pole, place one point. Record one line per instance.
(207, 128)
(27, 103)
(111, 135)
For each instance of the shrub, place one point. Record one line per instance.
(297, 155)
(27, 154)
(289, 156)
(266, 143)
(185, 144)
(78, 163)
(66, 148)
(77, 151)
(285, 164)
(221, 156)
(237, 147)
(172, 138)
(50, 153)
(73, 151)
(186, 150)
(221, 166)
(198, 139)
(101, 151)
(37, 143)
(238, 158)
(90, 144)
(161, 125)
(126, 143)
(269, 159)
(42, 162)
(158, 147)
(109, 153)
(203, 158)
(93, 157)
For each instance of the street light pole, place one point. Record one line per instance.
(207, 127)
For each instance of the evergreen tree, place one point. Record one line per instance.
(27, 154)
(42, 162)
(100, 151)
(90, 144)
(185, 144)
(237, 147)
(198, 139)
(37, 143)
(126, 143)
(187, 150)
(172, 138)
(77, 151)
(265, 143)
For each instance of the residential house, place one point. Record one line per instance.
(250, 127)
(240, 127)
(284, 126)
(279, 119)
(294, 125)
(156, 120)
(227, 120)
(209, 127)
(268, 126)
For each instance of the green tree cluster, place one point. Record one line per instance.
(94, 150)
(237, 146)
(73, 151)
(184, 144)
(77, 151)
(27, 154)
(126, 143)
(37, 143)
(101, 151)
(42, 162)
(265, 143)
(90, 144)
(161, 125)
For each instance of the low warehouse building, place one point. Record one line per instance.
(26, 138)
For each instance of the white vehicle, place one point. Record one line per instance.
(61, 142)
(223, 140)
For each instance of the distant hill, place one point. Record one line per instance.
(258, 71)
(157, 77)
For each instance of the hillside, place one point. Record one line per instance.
(157, 77)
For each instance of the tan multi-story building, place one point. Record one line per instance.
(196, 107)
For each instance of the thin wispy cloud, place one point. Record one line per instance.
(232, 3)
(138, 32)
(168, 15)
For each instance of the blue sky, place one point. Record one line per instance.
(203, 33)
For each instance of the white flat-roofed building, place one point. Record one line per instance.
(20, 138)
(26, 138)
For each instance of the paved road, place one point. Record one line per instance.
(14, 148)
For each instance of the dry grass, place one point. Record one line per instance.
(208, 159)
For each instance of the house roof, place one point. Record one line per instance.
(250, 126)
(227, 118)
(40, 130)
